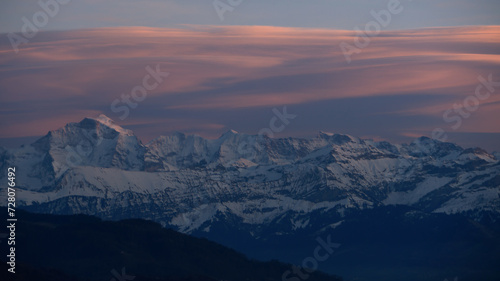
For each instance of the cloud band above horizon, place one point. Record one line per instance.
(232, 77)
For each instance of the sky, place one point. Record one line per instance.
(331, 14)
(425, 70)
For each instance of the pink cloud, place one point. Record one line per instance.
(219, 68)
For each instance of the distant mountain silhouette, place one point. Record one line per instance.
(79, 247)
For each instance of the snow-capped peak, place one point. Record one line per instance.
(230, 133)
(98, 167)
(327, 134)
(105, 120)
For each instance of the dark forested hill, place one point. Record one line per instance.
(50, 247)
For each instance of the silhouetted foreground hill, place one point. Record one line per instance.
(79, 247)
(389, 243)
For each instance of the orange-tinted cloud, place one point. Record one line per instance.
(59, 75)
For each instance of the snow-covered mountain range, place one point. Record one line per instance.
(246, 181)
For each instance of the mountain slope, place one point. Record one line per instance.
(243, 190)
(96, 167)
(89, 249)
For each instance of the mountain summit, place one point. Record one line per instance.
(245, 181)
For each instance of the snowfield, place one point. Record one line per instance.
(188, 182)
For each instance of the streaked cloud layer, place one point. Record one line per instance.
(231, 77)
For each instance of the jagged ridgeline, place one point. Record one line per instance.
(96, 167)
(262, 196)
